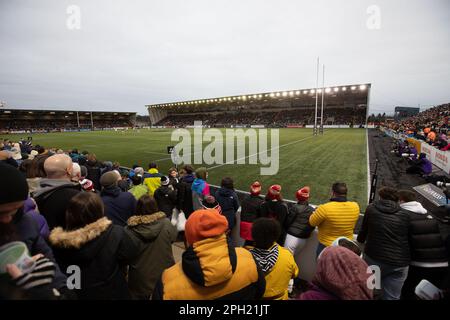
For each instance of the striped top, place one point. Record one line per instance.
(335, 219)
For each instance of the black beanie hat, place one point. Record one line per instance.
(15, 188)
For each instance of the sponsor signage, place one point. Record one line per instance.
(432, 193)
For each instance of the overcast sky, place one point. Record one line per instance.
(131, 53)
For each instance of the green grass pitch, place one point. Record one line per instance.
(338, 155)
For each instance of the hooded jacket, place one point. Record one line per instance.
(52, 199)
(200, 189)
(212, 269)
(166, 198)
(99, 249)
(251, 208)
(299, 225)
(425, 239)
(340, 274)
(385, 232)
(119, 205)
(152, 180)
(30, 208)
(184, 191)
(155, 235)
(229, 203)
(281, 270)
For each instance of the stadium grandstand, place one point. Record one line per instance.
(35, 121)
(344, 105)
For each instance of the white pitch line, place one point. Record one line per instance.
(279, 147)
(368, 166)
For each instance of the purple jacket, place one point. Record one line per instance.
(426, 166)
(316, 293)
(29, 208)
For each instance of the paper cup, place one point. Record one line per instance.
(16, 253)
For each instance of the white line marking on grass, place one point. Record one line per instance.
(368, 166)
(279, 147)
(153, 152)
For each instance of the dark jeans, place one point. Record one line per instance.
(392, 278)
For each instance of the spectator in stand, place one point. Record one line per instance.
(184, 190)
(56, 190)
(340, 275)
(276, 262)
(429, 259)
(385, 231)
(155, 236)
(97, 246)
(21, 225)
(274, 207)
(138, 189)
(228, 201)
(166, 197)
(153, 178)
(422, 166)
(76, 172)
(210, 267)
(25, 166)
(123, 183)
(36, 172)
(299, 229)
(209, 202)
(250, 211)
(200, 188)
(119, 206)
(431, 137)
(173, 177)
(107, 167)
(94, 171)
(31, 209)
(6, 157)
(86, 184)
(336, 218)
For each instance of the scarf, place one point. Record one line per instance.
(265, 258)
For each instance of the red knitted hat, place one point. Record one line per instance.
(203, 224)
(274, 192)
(303, 194)
(255, 188)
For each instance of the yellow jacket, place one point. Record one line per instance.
(335, 219)
(152, 180)
(211, 269)
(277, 280)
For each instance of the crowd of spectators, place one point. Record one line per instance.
(270, 118)
(117, 226)
(430, 125)
(42, 125)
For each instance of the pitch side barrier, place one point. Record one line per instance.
(440, 159)
(306, 259)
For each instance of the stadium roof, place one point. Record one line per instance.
(60, 112)
(276, 95)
